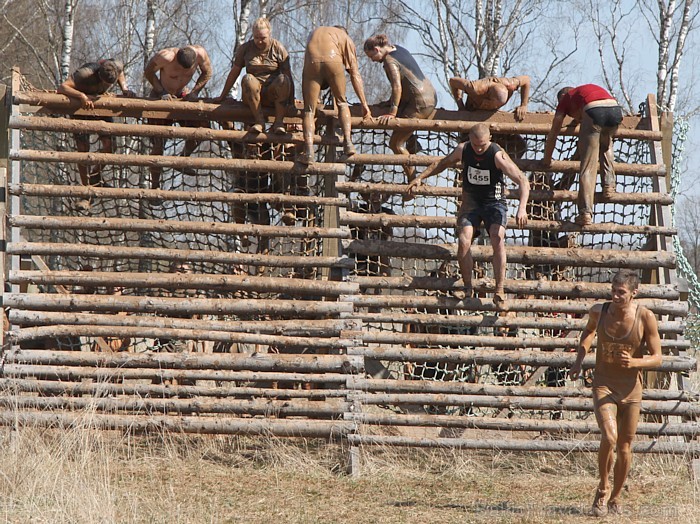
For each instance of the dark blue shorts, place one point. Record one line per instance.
(605, 116)
(488, 214)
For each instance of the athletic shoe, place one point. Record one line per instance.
(599, 509)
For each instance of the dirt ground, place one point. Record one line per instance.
(85, 476)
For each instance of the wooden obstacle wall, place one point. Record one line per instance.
(251, 295)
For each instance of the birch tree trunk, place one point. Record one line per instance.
(67, 35)
(149, 40)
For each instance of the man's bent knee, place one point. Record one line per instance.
(250, 85)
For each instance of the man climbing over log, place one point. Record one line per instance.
(600, 115)
(85, 84)
(412, 93)
(329, 53)
(169, 72)
(483, 200)
(268, 81)
(491, 93)
(625, 330)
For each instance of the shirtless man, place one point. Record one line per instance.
(85, 84)
(600, 115)
(329, 53)
(412, 93)
(483, 200)
(268, 81)
(624, 329)
(491, 93)
(169, 72)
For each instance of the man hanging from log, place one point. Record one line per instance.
(268, 82)
(329, 53)
(85, 84)
(169, 72)
(412, 94)
(600, 115)
(491, 93)
(483, 200)
(625, 331)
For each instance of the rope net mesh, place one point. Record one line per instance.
(171, 210)
(517, 146)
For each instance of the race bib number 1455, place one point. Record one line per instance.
(478, 177)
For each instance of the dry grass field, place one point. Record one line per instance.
(81, 475)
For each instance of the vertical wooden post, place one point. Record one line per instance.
(13, 203)
(331, 214)
(5, 99)
(660, 213)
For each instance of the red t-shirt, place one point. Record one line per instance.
(576, 99)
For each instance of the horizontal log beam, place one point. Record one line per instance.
(484, 356)
(310, 328)
(271, 408)
(104, 389)
(504, 342)
(185, 255)
(557, 166)
(67, 125)
(97, 390)
(102, 375)
(161, 194)
(519, 254)
(203, 109)
(500, 445)
(512, 194)
(373, 385)
(570, 427)
(441, 304)
(673, 408)
(170, 305)
(296, 327)
(495, 321)
(179, 162)
(379, 220)
(122, 332)
(185, 281)
(172, 226)
(195, 361)
(520, 287)
(176, 424)
(498, 122)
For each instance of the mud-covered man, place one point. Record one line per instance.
(412, 93)
(169, 72)
(329, 53)
(268, 81)
(626, 331)
(491, 93)
(87, 83)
